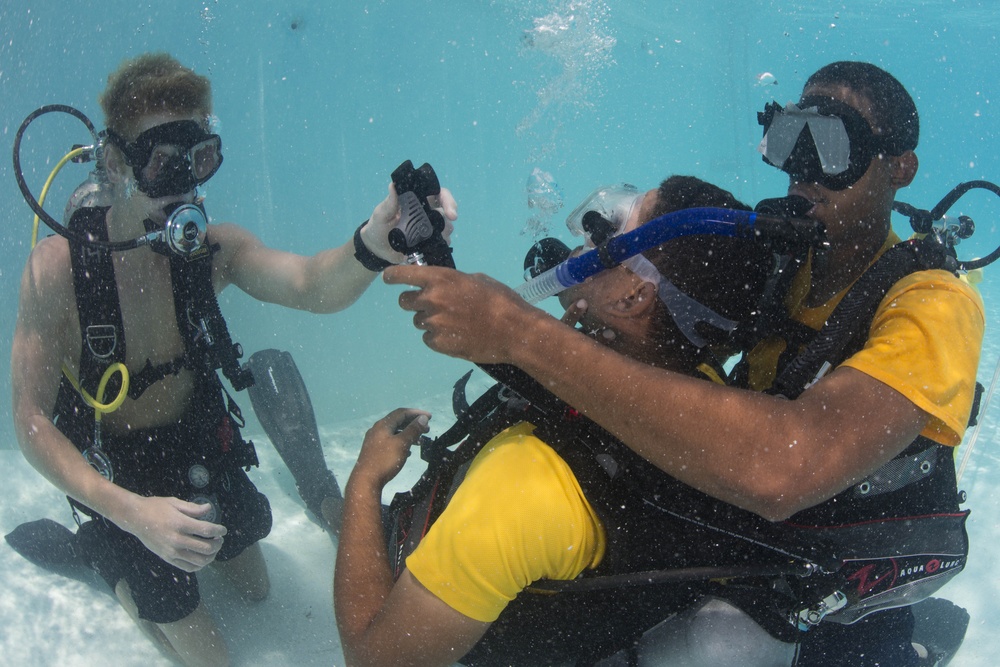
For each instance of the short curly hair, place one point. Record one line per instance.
(892, 106)
(152, 83)
(726, 274)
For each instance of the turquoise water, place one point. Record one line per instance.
(318, 102)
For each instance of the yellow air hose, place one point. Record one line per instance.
(101, 408)
(45, 190)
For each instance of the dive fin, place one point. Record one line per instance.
(283, 408)
(54, 547)
(939, 627)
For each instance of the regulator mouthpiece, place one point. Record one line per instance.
(185, 229)
(419, 232)
(182, 234)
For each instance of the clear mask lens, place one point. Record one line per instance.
(614, 203)
(820, 140)
(169, 163)
(829, 135)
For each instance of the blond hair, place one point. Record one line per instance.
(152, 83)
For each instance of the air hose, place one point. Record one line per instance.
(100, 409)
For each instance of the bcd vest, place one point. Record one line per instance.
(187, 459)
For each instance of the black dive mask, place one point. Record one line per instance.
(820, 140)
(171, 159)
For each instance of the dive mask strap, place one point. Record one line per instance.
(686, 312)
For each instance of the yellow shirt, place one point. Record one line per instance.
(518, 516)
(924, 342)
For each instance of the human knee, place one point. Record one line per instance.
(197, 640)
(722, 634)
(714, 634)
(247, 573)
(253, 588)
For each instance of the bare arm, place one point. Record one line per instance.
(382, 622)
(326, 282)
(765, 454)
(167, 526)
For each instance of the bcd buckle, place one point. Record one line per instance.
(810, 617)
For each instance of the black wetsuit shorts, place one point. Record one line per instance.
(201, 458)
(162, 592)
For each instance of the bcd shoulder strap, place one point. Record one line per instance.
(206, 337)
(97, 303)
(846, 330)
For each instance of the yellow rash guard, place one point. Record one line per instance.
(518, 516)
(924, 342)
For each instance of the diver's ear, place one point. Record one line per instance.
(904, 169)
(639, 302)
(114, 164)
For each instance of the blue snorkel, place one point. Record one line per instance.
(778, 226)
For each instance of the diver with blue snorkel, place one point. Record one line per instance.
(119, 338)
(860, 371)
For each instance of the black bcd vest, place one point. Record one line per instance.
(208, 433)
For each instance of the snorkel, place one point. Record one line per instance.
(780, 221)
(688, 222)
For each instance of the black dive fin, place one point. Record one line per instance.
(52, 546)
(282, 406)
(939, 627)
